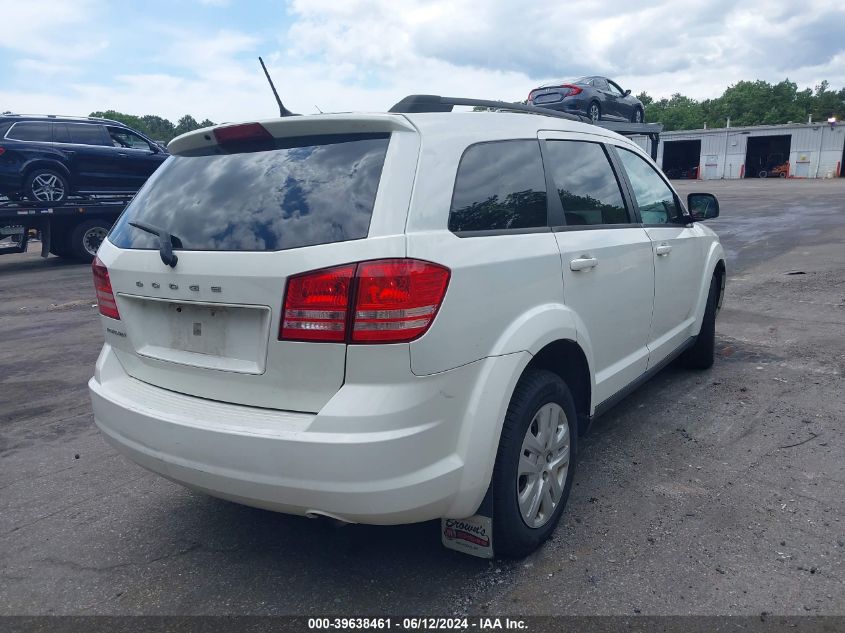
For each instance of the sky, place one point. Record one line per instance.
(199, 57)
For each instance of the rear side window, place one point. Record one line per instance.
(85, 134)
(654, 197)
(586, 184)
(310, 191)
(499, 185)
(30, 131)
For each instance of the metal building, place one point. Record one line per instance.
(808, 150)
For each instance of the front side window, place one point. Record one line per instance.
(500, 185)
(306, 191)
(87, 134)
(654, 197)
(586, 184)
(30, 131)
(127, 140)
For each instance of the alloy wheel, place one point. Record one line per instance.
(48, 188)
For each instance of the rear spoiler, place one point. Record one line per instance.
(199, 141)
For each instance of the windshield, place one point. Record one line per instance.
(305, 192)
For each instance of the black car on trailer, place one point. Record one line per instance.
(46, 159)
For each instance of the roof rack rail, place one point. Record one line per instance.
(436, 103)
(63, 116)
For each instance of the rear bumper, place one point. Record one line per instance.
(573, 105)
(404, 464)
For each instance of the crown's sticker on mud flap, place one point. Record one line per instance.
(473, 535)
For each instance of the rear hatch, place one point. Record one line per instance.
(246, 207)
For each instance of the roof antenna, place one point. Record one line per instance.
(318, 109)
(283, 111)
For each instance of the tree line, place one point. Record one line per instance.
(748, 103)
(745, 103)
(155, 127)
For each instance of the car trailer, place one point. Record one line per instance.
(72, 229)
(436, 103)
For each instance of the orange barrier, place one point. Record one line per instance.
(742, 171)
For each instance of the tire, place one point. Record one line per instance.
(762, 174)
(703, 352)
(594, 111)
(782, 174)
(60, 244)
(46, 185)
(638, 116)
(86, 238)
(538, 392)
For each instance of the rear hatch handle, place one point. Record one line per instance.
(166, 242)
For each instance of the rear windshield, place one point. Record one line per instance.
(305, 192)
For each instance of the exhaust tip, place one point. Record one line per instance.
(336, 520)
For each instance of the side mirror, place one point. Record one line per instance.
(627, 92)
(702, 206)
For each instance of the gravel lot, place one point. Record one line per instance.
(720, 492)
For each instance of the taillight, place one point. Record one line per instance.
(395, 300)
(573, 90)
(102, 286)
(530, 95)
(317, 304)
(244, 137)
(2, 150)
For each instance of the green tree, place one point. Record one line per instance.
(154, 126)
(748, 103)
(647, 100)
(186, 124)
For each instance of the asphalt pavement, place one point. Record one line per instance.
(717, 492)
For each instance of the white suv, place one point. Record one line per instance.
(380, 317)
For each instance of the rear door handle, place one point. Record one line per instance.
(583, 263)
(663, 249)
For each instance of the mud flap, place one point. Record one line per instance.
(473, 535)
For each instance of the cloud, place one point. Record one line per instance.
(367, 54)
(33, 29)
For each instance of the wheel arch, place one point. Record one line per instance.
(565, 358)
(715, 266)
(45, 163)
(720, 270)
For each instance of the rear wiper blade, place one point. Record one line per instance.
(166, 242)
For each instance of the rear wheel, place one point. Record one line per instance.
(763, 173)
(535, 463)
(637, 117)
(594, 111)
(86, 238)
(703, 352)
(46, 185)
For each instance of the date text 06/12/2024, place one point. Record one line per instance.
(418, 623)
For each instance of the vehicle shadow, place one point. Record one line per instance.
(32, 261)
(293, 565)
